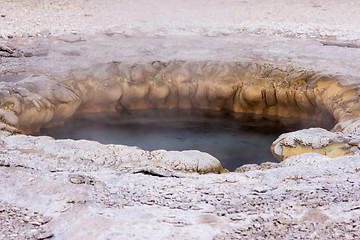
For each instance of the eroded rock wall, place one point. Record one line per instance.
(238, 87)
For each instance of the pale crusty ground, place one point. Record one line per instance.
(45, 194)
(312, 18)
(316, 199)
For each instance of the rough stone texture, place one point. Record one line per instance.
(307, 196)
(63, 152)
(332, 144)
(60, 57)
(350, 127)
(20, 223)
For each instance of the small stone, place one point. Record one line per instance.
(35, 223)
(76, 180)
(45, 219)
(113, 190)
(219, 196)
(22, 91)
(44, 33)
(34, 231)
(212, 34)
(6, 49)
(45, 234)
(225, 32)
(237, 217)
(231, 210)
(70, 38)
(315, 215)
(4, 54)
(285, 221)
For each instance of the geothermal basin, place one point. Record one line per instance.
(202, 93)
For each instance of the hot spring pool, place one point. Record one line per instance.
(235, 139)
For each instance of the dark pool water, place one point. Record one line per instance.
(235, 139)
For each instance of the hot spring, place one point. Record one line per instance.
(233, 138)
(231, 110)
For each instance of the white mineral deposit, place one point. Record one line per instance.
(279, 58)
